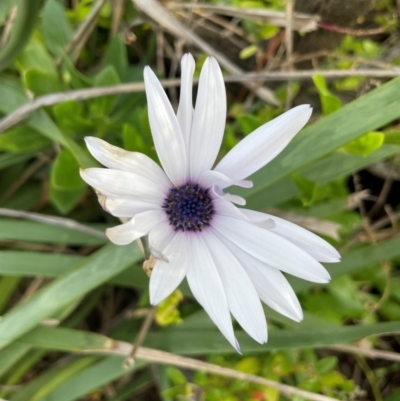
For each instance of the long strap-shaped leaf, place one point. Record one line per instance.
(87, 275)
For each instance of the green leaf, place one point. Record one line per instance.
(249, 123)
(192, 342)
(248, 51)
(329, 102)
(117, 57)
(65, 201)
(36, 57)
(22, 29)
(23, 139)
(66, 185)
(392, 136)
(10, 355)
(10, 159)
(103, 105)
(87, 275)
(41, 122)
(40, 387)
(72, 116)
(365, 144)
(133, 141)
(42, 82)
(5, 9)
(20, 230)
(65, 173)
(92, 378)
(367, 113)
(56, 28)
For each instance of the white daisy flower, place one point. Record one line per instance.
(232, 257)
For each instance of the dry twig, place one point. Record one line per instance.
(83, 94)
(301, 22)
(158, 13)
(52, 220)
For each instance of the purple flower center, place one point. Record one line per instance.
(189, 208)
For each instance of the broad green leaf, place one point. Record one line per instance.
(23, 263)
(23, 139)
(66, 185)
(87, 275)
(249, 123)
(102, 106)
(20, 230)
(191, 342)
(133, 141)
(329, 102)
(65, 201)
(65, 173)
(117, 57)
(72, 116)
(364, 145)
(207, 342)
(41, 82)
(367, 113)
(36, 57)
(57, 30)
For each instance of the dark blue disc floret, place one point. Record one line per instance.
(189, 208)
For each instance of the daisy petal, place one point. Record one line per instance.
(304, 239)
(120, 159)
(185, 108)
(166, 277)
(263, 144)
(224, 208)
(211, 177)
(121, 184)
(135, 228)
(207, 288)
(161, 236)
(120, 207)
(243, 301)
(208, 119)
(165, 129)
(220, 194)
(271, 249)
(270, 284)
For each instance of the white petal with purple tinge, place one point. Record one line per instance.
(121, 184)
(135, 228)
(207, 288)
(304, 239)
(120, 207)
(167, 135)
(133, 162)
(166, 276)
(264, 144)
(271, 249)
(185, 108)
(242, 297)
(208, 119)
(270, 284)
